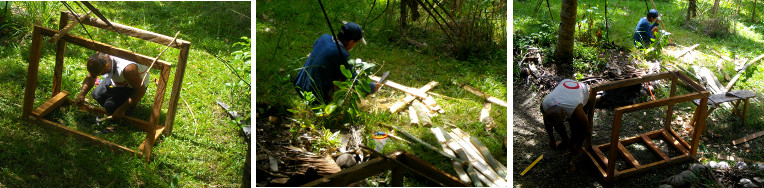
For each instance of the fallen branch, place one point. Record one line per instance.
(483, 95)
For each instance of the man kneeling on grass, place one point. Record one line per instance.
(566, 103)
(323, 64)
(122, 87)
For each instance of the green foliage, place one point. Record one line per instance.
(586, 59)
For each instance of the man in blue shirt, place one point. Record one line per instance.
(646, 29)
(323, 64)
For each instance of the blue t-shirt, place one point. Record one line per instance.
(323, 67)
(643, 32)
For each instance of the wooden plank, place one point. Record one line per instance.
(654, 147)
(476, 160)
(105, 48)
(60, 53)
(177, 83)
(430, 103)
(489, 176)
(596, 164)
(421, 112)
(677, 145)
(413, 116)
(629, 158)
(495, 164)
(155, 112)
(631, 81)
(747, 138)
(429, 170)
(135, 122)
(614, 142)
(51, 104)
(681, 141)
(600, 155)
(354, 174)
(84, 136)
(131, 31)
(670, 108)
(694, 85)
(32, 70)
(458, 168)
(661, 102)
(406, 100)
(700, 127)
(67, 28)
(403, 88)
(476, 180)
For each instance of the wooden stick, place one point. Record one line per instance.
(531, 166)
(131, 31)
(68, 28)
(686, 50)
(739, 73)
(428, 146)
(747, 138)
(485, 117)
(403, 88)
(483, 95)
(157, 58)
(433, 107)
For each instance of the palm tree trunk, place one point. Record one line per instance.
(565, 36)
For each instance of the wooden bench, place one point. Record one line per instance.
(733, 96)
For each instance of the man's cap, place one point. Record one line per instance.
(351, 31)
(652, 13)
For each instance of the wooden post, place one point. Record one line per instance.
(700, 128)
(155, 112)
(131, 31)
(180, 71)
(397, 179)
(32, 70)
(614, 142)
(670, 108)
(60, 52)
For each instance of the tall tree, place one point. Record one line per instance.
(716, 8)
(563, 52)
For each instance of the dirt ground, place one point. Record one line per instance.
(530, 140)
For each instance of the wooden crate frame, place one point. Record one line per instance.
(152, 127)
(616, 147)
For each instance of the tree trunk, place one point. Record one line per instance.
(716, 8)
(693, 9)
(563, 52)
(753, 16)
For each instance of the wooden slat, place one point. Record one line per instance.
(631, 81)
(67, 28)
(458, 168)
(428, 169)
(156, 109)
(403, 88)
(177, 83)
(84, 136)
(681, 141)
(670, 109)
(131, 31)
(660, 102)
(694, 85)
(674, 142)
(596, 164)
(600, 155)
(483, 95)
(51, 104)
(629, 158)
(700, 127)
(406, 100)
(616, 132)
(747, 138)
(108, 49)
(354, 174)
(60, 53)
(487, 154)
(655, 147)
(32, 70)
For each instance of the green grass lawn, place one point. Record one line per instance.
(206, 148)
(287, 30)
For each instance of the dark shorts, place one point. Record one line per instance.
(111, 98)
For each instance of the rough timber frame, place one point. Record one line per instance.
(617, 147)
(152, 127)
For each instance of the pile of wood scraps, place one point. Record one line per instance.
(420, 104)
(479, 168)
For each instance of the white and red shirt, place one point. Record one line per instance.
(568, 94)
(116, 75)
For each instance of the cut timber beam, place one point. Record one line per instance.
(68, 28)
(413, 91)
(483, 95)
(747, 138)
(421, 111)
(105, 48)
(406, 100)
(413, 116)
(51, 104)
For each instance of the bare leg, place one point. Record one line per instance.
(579, 131)
(553, 119)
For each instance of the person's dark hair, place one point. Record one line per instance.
(652, 13)
(96, 62)
(350, 31)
